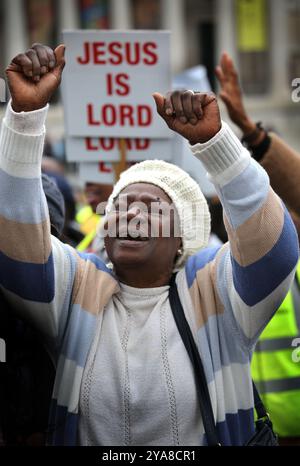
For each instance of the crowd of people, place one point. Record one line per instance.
(94, 354)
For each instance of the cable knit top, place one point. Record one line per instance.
(138, 369)
(92, 324)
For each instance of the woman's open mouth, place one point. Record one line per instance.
(133, 243)
(135, 239)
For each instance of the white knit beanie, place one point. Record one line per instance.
(185, 194)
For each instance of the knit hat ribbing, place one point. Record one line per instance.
(184, 192)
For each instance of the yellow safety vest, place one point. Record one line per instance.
(276, 375)
(88, 221)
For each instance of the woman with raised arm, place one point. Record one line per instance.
(123, 374)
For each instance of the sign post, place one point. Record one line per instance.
(121, 165)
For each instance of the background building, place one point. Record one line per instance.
(263, 36)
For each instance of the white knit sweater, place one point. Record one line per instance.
(139, 369)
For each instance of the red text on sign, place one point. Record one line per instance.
(118, 53)
(117, 84)
(121, 115)
(108, 144)
(104, 167)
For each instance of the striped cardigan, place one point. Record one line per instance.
(228, 294)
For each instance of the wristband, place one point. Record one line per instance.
(250, 138)
(259, 151)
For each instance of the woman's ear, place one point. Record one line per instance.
(179, 249)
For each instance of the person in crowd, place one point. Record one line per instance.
(123, 375)
(218, 230)
(55, 170)
(27, 375)
(71, 233)
(88, 218)
(281, 162)
(274, 369)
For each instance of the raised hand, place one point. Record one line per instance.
(231, 94)
(34, 76)
(195, 116)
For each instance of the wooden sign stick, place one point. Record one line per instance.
(120, 166)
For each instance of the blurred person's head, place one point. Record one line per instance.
(216, 214)
(56, 205)
(67, 192)
(97, 193)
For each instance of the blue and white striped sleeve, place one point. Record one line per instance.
(36, 270)
(257, 267)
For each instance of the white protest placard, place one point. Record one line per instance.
(108, 83)
(108, 149)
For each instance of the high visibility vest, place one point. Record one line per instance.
(276, 375)
(88, 221)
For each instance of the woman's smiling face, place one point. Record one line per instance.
(143, 228)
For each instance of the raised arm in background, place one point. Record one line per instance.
(281, 162)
